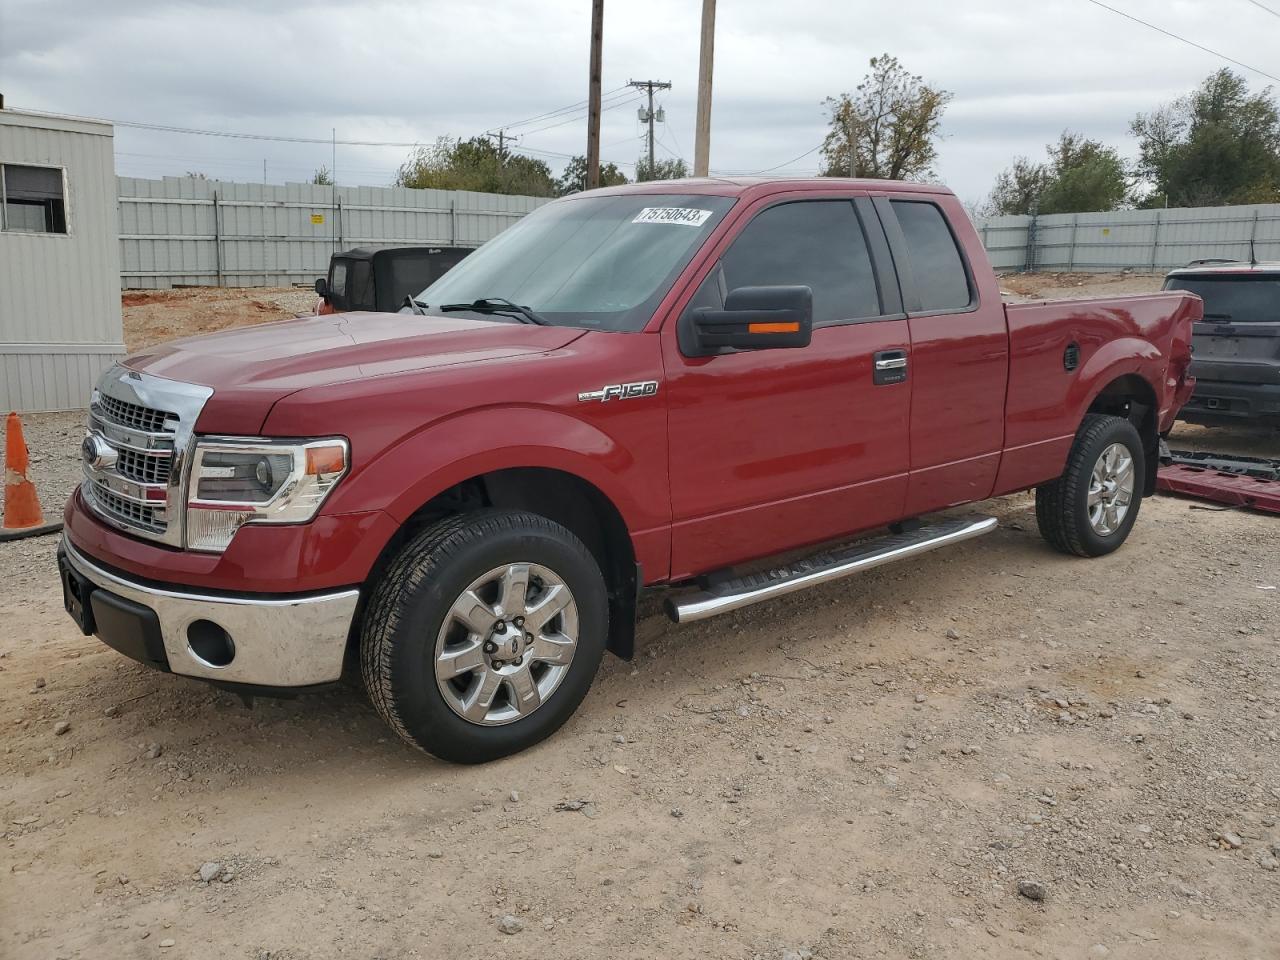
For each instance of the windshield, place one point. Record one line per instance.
(1237, 298)
(597, 262)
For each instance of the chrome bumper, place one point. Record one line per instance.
(277, 643)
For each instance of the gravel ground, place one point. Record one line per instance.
(875, 768)
(992, 751)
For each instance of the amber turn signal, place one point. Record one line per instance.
(793, 327)
(325, 460)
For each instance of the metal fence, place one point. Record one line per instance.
(1140, 240)
(181, 231)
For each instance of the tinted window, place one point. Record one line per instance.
(936, 264)
(815, 243)
(1234, 298)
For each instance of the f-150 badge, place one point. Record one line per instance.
(620, 391)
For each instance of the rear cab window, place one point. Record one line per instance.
(937, 267)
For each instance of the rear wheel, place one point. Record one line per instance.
(484, 635)
(1090, 509)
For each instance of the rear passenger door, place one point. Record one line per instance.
(959, 360)
(778, 448)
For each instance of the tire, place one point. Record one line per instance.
(1064, 513)
(438, 603)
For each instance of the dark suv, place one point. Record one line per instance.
(1237, 346)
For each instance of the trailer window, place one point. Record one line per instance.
(936, 264)
(34, 201)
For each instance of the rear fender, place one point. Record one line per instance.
(1115, 359)
(1135, 360)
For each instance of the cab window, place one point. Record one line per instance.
(936, 264)
(814, 243)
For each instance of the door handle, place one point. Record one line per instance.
(890, 366)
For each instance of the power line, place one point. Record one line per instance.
(1264, 7)
(627, 101)
(571, 113)
(674, 138)
(789, 162)
(580, 105)
(326, 141)
(1222, 56)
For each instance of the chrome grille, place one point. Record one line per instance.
(134, 514)
(137, 416)
(143, 467)
(140, 428)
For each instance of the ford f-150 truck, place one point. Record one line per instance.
(652, 385)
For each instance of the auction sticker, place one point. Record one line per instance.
(688, 216)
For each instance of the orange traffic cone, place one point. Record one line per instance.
(22, 514)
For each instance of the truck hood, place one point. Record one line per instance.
(250, 368)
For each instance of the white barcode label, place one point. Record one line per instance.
(687, 216)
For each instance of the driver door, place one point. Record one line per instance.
(774, 449)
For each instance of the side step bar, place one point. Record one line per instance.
(822, 568)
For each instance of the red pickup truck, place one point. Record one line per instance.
(632, 387)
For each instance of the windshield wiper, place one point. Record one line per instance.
(417, 306)
(1217, 316)
(498, 305)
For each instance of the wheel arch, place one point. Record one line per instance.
(562, 496)
(1133, 398)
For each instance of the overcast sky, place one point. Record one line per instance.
(412, 71)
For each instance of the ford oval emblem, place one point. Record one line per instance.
(97, 453)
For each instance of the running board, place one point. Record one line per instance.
(822, 568)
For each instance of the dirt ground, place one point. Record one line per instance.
(870, 769)
(1070, 286)
(153, 316)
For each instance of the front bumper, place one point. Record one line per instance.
(294, 641)
(1224, 402)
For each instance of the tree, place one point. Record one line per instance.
(322, 177)
(1018, 188)
(475, 164)
(574, 177)
(888, 128)
(1080, 175)
(1218, 144)
(196, 175)
(673, 169)
(1084, 175)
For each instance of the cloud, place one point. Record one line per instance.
(411, 71)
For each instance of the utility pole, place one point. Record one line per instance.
(702, 136)
(503, 137)
(650, 86)
(593, 96)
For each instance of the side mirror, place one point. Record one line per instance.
(322, 287)
(753, 318)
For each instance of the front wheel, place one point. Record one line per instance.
(484, 634)
(1090, 509)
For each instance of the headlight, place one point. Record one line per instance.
(234, 482)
